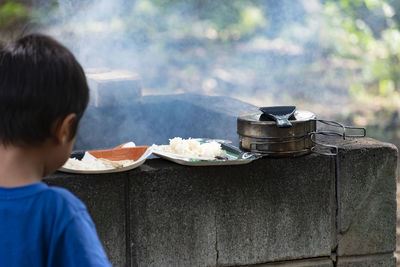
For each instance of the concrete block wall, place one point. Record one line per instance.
(154, 119)
(110, 88)
(272, 212)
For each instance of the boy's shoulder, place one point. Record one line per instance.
(62, 199)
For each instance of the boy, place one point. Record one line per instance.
(43, 94)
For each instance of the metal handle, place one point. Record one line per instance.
(344, 128)
(364, 131)
(334, 150)
(282, 122)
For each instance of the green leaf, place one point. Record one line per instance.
(386, 87)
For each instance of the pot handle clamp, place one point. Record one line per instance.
(333, 149)
(343, 133)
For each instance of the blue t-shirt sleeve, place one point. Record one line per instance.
(79, 245)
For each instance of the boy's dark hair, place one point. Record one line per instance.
(40, 83)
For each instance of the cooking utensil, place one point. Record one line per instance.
(280, 114)
(262, 136)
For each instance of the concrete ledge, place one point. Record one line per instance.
(232, 215)
(269, 212)
(113, 87)
(172, 217)
(367, 197)
(104, 196)
(153, 119)
(320, 262)
(266, 208)
(369, 260)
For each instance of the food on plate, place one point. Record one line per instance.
(89, 162)
(192, 148)
(116, 164)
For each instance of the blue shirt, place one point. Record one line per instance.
(46, 226)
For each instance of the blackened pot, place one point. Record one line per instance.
(266, 138)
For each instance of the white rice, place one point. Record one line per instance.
(89, 162)
(193, 149)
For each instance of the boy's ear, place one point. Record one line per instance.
(64, 129)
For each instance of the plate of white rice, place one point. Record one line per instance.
(86, 163)
(202, 152)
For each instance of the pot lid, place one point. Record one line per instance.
(299, 115)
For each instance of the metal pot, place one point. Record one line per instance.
(266, 138)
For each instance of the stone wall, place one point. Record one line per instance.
(272, 212)
(154, 119)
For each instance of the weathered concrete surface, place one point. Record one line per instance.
(113, 87)
(367, 197)
(104, 197)
(156, 119)
(235, 215)
(321, 262)
(275, 211)
(384, 260)
(172, 216)
(272, 210)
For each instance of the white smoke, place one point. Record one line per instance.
(94, 30)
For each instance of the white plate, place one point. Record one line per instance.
(235, 156)
(193, 162)
(136, 164)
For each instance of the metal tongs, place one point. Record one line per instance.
(334, 150)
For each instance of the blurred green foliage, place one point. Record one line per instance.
(294, 50)
(13, 15)
(375, 48)
(216, 20)
(366, 32)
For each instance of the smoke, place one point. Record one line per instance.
(93, 30)
(244, 49)
(259, 52)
